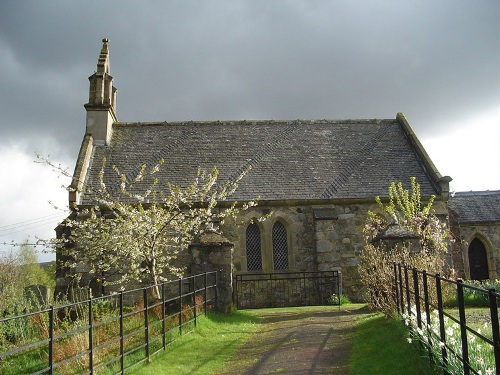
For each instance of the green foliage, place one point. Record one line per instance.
(473, 297)
(335, 301)
(19, 270)
(403, 204)
(376, 263)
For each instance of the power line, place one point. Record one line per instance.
(27, 222)
(27, 226)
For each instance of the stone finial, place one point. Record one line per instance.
(393, 220)
(103, 61)
(101, 107)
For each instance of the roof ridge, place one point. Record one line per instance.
(264, 121)
(477, 192)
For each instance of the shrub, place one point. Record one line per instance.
(376, 263)
(335, 301)
(473, 297)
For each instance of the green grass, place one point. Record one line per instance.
(380, 346)
(216, 337)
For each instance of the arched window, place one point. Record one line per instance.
(253, 245)
(280, 247)
(478, 262)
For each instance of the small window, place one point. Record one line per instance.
(253, 245)
(280, 247)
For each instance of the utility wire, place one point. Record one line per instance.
(29, 225)
(28, 222)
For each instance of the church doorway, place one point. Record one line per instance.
(478, 262)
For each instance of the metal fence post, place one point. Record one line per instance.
(463, 327)
(400, 283)
(339, 285)
(426, 298)
(193, 283)
(163, 325)
(180, 305)
(442, 331)
(91, 338)
(216, 292)
(495, 327)
(417, 297)
(407, 286)
(146, 322)
(237, 283)
(396, 287)
(51, 340)
(205, 294)
(427, 314)
(122, 363)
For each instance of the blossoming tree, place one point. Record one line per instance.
(117, 241)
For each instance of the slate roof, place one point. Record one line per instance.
(300, 160)
(476, 206)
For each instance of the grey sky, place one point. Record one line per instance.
(435, 61)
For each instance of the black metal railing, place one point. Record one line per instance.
(284, 289)
(459, 336)
(115, 332)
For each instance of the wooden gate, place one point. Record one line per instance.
(285, 289)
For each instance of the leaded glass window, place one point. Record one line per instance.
(280, 247)
(253, 245)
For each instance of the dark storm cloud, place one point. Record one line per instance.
(435, 61)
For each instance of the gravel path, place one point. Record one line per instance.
(301, 341)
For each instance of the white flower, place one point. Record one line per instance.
(409, 340)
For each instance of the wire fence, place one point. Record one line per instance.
(110, 333)
(456, 323)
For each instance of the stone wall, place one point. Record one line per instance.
(299, 223)
(321, 238)
(339, 242)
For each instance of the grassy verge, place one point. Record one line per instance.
(216, 337)
(380, 346)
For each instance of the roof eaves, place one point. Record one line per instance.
(80, 172)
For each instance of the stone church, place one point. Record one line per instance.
(316, 178)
